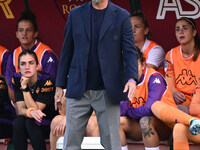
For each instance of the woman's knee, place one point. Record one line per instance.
(92, 128)
(146, 122)
(179, 127)
(123, 122)
(146, 125)
(56, 120)
(180, 130)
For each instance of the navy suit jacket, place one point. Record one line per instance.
(118, 56)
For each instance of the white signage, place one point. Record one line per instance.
(175, 6)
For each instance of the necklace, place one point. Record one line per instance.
(32, 88)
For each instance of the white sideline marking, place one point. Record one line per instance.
(88, 143)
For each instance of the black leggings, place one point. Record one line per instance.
(5, 130)
(25, 128)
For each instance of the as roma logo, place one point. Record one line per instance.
(4, 4)
(64, 6)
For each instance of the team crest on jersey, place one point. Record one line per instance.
(37, 90)
(64, 6)
(186, 78)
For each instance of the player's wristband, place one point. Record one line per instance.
(25, 89)
(132, 80)
(28, 112)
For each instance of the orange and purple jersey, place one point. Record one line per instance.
(48, 61)
(4, 53)
(185, 71)
(152, 87)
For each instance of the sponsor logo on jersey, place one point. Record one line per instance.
(49, 89)
(48, 83)
(186, 78)
(156, 81)
(137, 102)
(50, 60)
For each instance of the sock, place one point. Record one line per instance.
(173, 115)
(125, 147)
(181, 145)
(152, 148)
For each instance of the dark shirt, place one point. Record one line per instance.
(42, 91)
(94, 76)
(7, 111)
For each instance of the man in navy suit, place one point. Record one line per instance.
(98, 67)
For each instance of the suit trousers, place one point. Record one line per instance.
(79, 111)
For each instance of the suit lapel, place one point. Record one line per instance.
(86, 15)
(108, 18)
